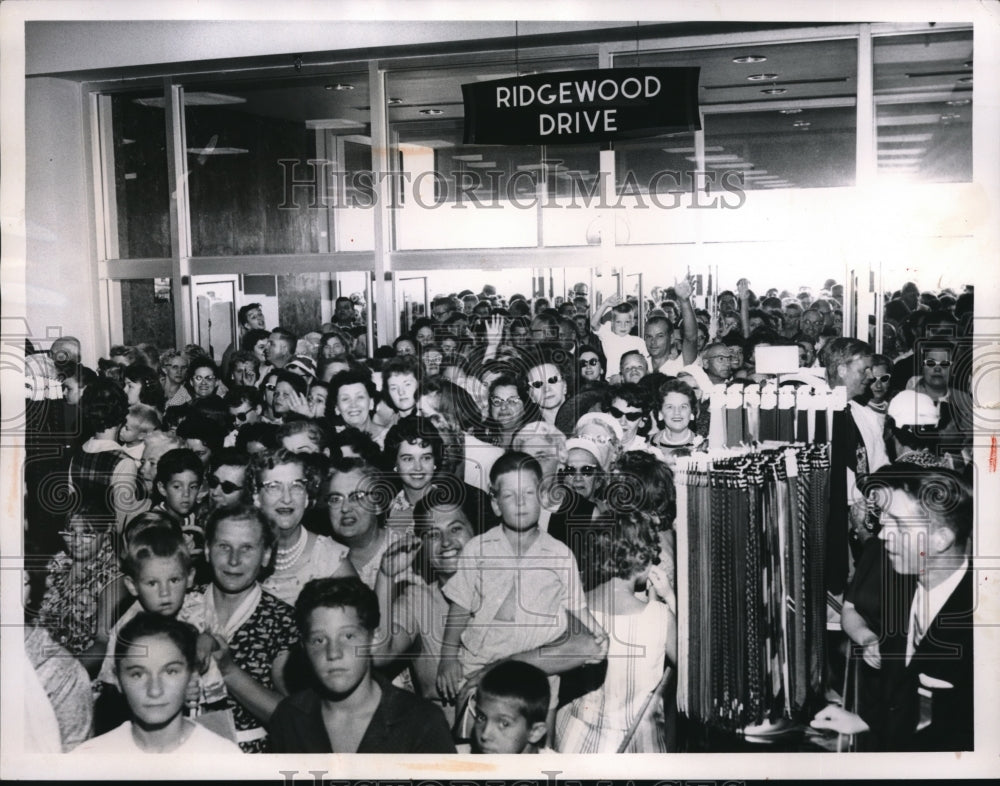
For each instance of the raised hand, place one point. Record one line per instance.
(494, 329)
(398, 558)
(684, 288)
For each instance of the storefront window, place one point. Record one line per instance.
(139, 176)
(923, 102)
(264, 177)
(775, 116)
(453, 195)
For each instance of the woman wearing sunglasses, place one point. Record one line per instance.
(629, 406)
(954, 404)
(880, 391)
(228, 484)
(591, 366)
(547, 387)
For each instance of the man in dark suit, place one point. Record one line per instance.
(926, 685)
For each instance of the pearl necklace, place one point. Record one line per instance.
(285, 558)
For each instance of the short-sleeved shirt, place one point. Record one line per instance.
(615, 346)
(518, 601)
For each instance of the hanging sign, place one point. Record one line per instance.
(567, 107)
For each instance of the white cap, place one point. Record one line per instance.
(910, 408)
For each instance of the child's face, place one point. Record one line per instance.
(515, 500)
(244, 374)
(131, 431)
(180, 492)
(82, 540)
(501, 727)
(339, 648)
(317, 401)
(160, 585)
(621, 324)
(154, 676)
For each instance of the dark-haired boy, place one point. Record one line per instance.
(509, 708)
(352, 710)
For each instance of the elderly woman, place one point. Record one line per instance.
(203, 380)
(251, 631)
(284, 485)
(173, 371)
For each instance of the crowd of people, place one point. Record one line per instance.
(463, 540)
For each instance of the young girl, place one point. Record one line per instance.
(634, 602)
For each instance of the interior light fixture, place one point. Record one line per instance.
(801, 124)
(749, 59)
(967, 64)
(339, 86)
(394, 101)
(960, 102)
(761, 77)
(903, 151)
(774, 91)
(965, 80)
(790, 111)
(906, 138)
(432, 112)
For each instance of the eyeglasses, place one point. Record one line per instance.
(590, 362)
(499, 403)
(241, 416)
(882, 379)
(551, 380)
(933, 363)
(586, 471)
(228, 487)
(336, 500)
(204, 379)
(618, 414)
(275, 488)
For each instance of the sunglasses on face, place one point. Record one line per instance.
(538, 382)
(241, 416)
(882, 379)
(586, 471)
(618, 414)
(934, 363)
(228, 487)
(590, 362)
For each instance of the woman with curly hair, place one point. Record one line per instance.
(634, 599)
(285, 484)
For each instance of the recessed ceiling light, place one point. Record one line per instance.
(967, 64)
(774, 91)
(432, 111)
(394, 101)
(339, 86)
(761, 77)
(801, 124)
(947, 118)
(965, 80)
(749, 59)
(789, 111)
(960, 102)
